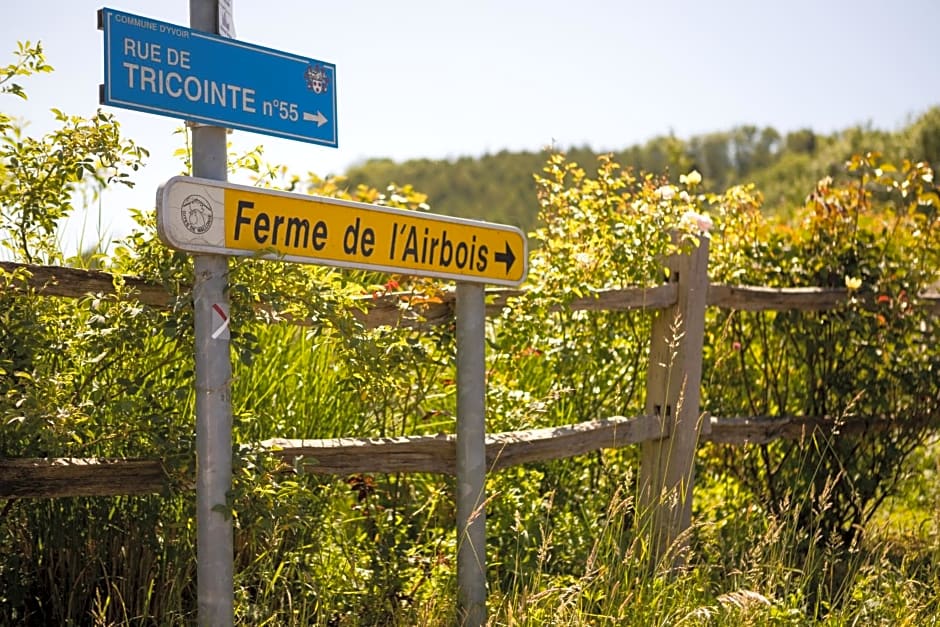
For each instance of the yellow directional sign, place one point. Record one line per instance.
(203, 216)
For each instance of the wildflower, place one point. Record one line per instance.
(691, 179)
(530, 351)
(666, 192)
(852, 283)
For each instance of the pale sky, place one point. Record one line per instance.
(437, 79)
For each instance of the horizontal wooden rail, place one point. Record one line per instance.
(766, 429)
(341, 456)
(75, 283)
(749, 298)
(758, 298)
(39, 478)
(386, 309)
(382, 310)
(80, 477)
(437, 454)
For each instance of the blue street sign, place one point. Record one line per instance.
(183, 73)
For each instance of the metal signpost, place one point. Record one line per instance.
(217, 83)
(214, 534)
(206, 216)
(215, 551)
(471, 455)
(193, 74)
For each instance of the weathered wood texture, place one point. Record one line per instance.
(766, 429)
(513, 448)
(339, 456)
(751, 298)
(47, 478)
(437, 454)
(73, 282)
(433, 454)
(386, 309)
(758, 298)
(673, 390)
(382, 310)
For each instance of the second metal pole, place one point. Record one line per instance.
(471, 455)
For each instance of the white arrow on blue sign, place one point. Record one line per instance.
(178, 72)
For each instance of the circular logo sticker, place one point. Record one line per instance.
(196, 212)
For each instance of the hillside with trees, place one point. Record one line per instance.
(500, 187)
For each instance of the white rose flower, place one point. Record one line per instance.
(700, 221)
(666, 192)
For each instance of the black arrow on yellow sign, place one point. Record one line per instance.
(506, 257)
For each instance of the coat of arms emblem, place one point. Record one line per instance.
(317, 80)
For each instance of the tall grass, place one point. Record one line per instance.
(101, 561)
(743, 570)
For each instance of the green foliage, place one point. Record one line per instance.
(873, 359)
(40, 175)
(29, 60)
(776, 538)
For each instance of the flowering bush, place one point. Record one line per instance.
(872, 361)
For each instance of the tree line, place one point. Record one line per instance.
(499, 187)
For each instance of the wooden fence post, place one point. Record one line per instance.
(673, 394)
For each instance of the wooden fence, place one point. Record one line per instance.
(657, 430)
